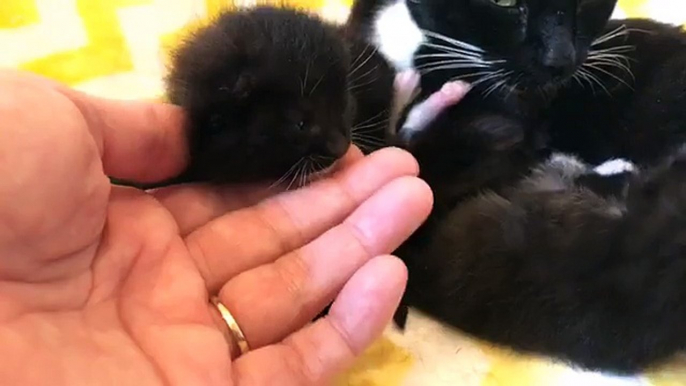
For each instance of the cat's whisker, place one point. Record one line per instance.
(615, 57)
(458, 59)
(452, 51)
(475, 64)
(614, 50)
(514, 86)
(600, 62)
(622, 30)
(599, 68)
(452, 67)
(498, 82)
(595, 79)
(487, 77)
(583, 77)
(452, 42)
(473, 74)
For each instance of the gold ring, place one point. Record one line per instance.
(238, 338)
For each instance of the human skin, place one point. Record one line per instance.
(102, 284)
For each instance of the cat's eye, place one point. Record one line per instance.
(505, 3)
(300, 125)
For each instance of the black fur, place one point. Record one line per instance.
(589, 271)
(264, 88)
(270, 91)
(549, 266)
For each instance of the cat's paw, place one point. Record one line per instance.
(425, 112)
(406, 86)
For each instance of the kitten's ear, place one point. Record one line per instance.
(243, 85)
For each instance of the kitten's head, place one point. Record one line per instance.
(537, 42)
(267, 95)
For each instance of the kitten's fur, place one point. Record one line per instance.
(545, 265)
(265, 89)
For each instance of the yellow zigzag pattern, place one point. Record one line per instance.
(117, 48)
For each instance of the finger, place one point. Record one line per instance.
(140, 141)
(194, 205)
(317, 353)
(295, 288)
(286, 222)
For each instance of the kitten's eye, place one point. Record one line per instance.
(300, 125)
(505, 3)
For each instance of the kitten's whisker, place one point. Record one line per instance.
(368, 127)
(369, 137)
(356, 68)
(352, 65)
(357, 78)
(379, 115)
(296, 178)
(359, 86)
(317, 84)
(454, 42)
(303, 84)
(286, 175)
(367, 143)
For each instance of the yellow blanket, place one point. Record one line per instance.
(116, 48)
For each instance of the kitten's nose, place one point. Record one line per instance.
(560, 59)
(336, 146)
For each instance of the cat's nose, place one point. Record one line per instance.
(560, 60)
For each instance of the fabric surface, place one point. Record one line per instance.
(117, 48)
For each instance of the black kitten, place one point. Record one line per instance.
(553, 266)
(266, 91)
(602, 288)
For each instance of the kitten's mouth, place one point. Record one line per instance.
(324, 172)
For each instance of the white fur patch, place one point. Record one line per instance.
(397, 35)
(615, 166)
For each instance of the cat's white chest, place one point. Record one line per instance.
(396, 35)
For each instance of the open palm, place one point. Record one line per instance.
(102, 284)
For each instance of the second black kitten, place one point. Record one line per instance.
(559, 264)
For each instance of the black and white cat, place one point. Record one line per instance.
(512, 253)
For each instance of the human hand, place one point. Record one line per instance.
(103, 284)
